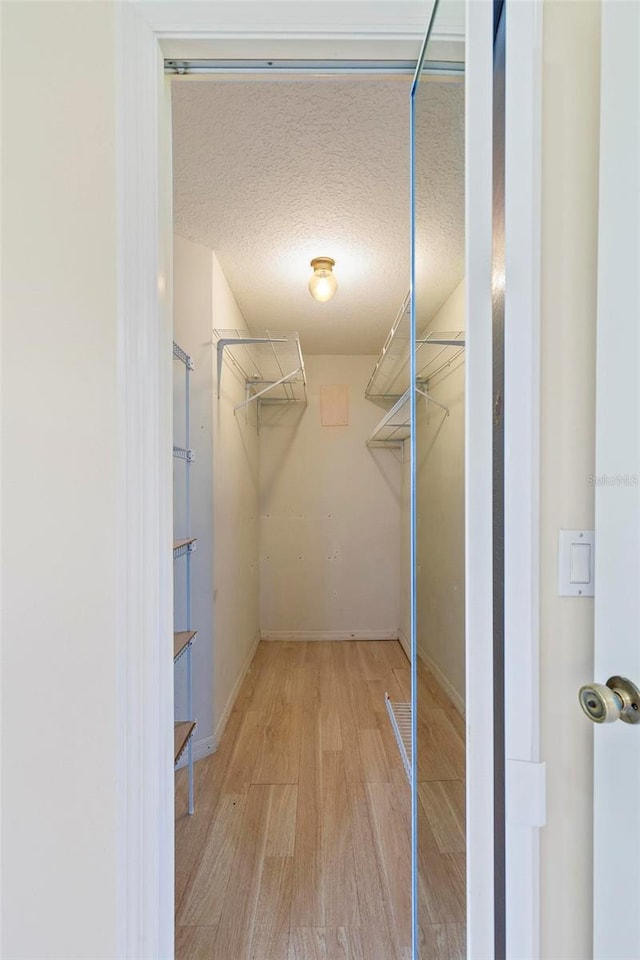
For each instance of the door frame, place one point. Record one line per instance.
(146, 32)
(525, 773)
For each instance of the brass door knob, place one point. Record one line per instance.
(619, 699)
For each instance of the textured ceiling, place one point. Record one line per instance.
(271, 174)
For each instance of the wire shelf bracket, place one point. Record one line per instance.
(400, 717)
(225, 342)
(181, 453)
(181, 355)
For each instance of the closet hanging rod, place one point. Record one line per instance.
(441, 341)
(308, 68)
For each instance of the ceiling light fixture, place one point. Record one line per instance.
(323, 284)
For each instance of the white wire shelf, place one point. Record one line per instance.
(400, 716)
(395, 426)
(182, 733)
(435, 350)
(185, 545)
(182, 639)
(390, 377)
(271, 366)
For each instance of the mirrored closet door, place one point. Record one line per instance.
(437, 494)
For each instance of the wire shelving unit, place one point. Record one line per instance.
(390, 382)
(183, 639)
(271, 366)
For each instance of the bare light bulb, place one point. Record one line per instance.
(323, 284)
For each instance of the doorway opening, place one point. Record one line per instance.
(298, 495)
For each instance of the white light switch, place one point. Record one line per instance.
(580, 563)
(576, 563)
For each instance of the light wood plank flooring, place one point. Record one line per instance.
(299, 848)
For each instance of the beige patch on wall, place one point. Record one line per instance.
(334, 405)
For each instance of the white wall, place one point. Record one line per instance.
(59, 458)
(192, 321)
(235, 518)
(569, 247)
(330, 515)
(440, 503)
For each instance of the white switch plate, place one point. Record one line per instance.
(576, 563)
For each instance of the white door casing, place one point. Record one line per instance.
(617, 496)
(478, 478)
(148, 30)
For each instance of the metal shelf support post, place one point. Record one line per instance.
(186, 548)
(187, 425)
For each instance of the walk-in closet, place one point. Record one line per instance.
(319, 446)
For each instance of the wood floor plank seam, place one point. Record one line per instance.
(206, 894)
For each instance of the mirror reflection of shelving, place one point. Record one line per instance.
(436, 351)
(437, 474)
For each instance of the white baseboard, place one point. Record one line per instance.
(226, 713)
(330, 634)
(208, 745)
(404, 643)
(444, 682)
